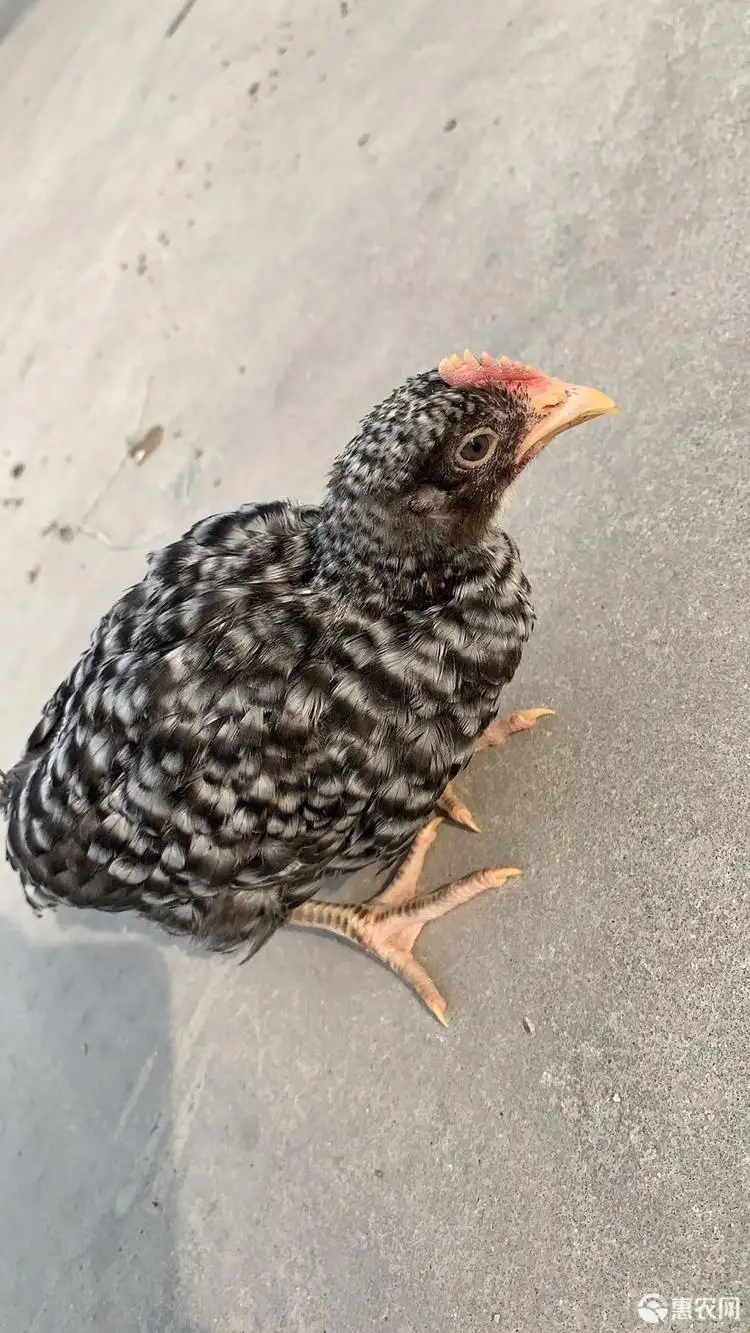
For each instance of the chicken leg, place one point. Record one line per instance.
(390, 924)
(496, 734)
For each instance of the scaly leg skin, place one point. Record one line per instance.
(496, 734)
(390, 924)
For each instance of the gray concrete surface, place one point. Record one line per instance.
(194, 232)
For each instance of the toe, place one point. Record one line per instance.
(418, 977)
(529, 716)
(452, 805)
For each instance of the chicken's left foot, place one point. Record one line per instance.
(497, 734)
(522, 720)
(390, 924)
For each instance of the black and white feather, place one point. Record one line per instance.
(288, 690)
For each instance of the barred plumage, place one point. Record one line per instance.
(289, 689)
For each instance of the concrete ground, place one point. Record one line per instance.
(245, 224)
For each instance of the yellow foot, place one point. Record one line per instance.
(390, 924)
(522, 720)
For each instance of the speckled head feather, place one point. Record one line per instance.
(400, 497)
(397, 435)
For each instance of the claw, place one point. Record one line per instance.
(452, 805)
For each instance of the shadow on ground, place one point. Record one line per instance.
(88, 1233)
(11, 13)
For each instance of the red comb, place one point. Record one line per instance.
(466, 372)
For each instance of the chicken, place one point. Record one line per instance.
(291, 691)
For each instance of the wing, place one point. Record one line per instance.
(175, 758)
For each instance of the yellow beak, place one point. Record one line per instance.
(558, 407)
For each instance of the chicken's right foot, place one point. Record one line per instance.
(389, 925)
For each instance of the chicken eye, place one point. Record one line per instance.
(476, 448)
